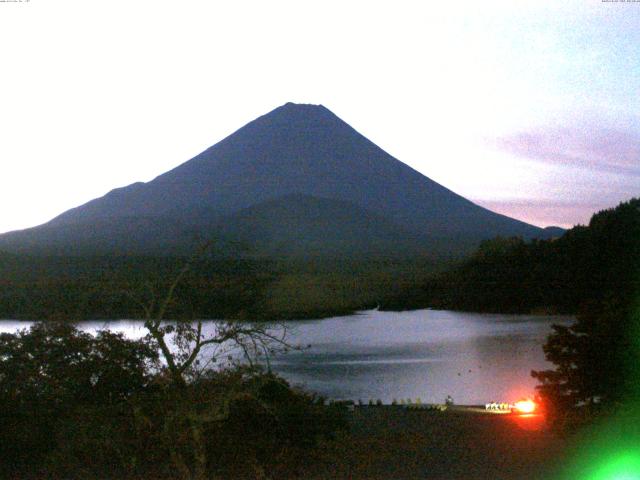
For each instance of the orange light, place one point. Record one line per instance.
(525, 406)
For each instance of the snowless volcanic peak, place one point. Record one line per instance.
(296, 149)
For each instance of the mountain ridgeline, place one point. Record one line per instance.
(296, 182)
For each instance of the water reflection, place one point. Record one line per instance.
(428, 354)
(475, 358)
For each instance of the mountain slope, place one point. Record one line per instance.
(293, 150)
(290, 226)
(300, 225)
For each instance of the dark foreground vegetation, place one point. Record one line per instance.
(594, 387)
(103, 407)
(78, 406)
(597, 359)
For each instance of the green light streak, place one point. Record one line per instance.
(623, 466)
(609, 450)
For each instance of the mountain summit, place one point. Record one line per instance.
(295, 151)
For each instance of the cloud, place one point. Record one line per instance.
(544, 213)
(593, 147)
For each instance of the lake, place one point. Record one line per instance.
(426, 354)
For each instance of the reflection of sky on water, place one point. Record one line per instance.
(428, 354)
(475, 358)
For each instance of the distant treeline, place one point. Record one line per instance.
(505, 275)
(588, 264)
(108, 287)
(49, 288)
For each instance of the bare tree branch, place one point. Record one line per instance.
(251, 339)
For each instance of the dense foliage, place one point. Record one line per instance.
(83, 406)
(106, 287)
(52, 373)
(50, 288)
(597, 358)
(563, 275)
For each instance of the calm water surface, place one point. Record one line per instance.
(475, 358)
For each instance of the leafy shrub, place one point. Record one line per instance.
(83, 406)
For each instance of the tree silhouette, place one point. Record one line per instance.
(597, 357)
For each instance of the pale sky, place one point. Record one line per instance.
(531, 109)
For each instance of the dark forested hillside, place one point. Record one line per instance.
(76, 288)
(596, 358)
(108, 287)
(587, 264)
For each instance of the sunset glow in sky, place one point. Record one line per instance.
(528, 108)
